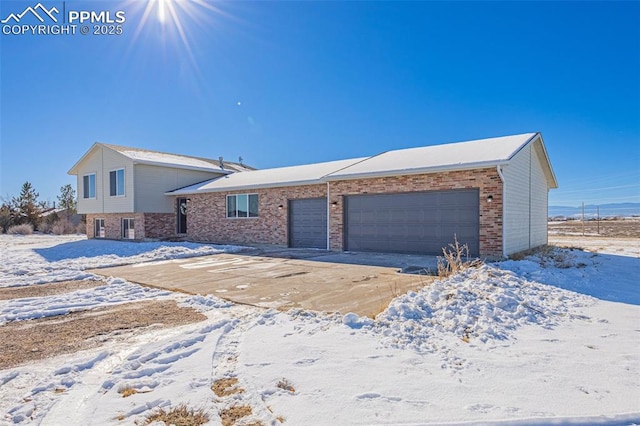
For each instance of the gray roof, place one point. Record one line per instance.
(447, 157)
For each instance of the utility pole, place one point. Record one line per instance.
(583, 218)
(598, 218)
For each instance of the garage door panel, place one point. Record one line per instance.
(416, 222)
(308, 223)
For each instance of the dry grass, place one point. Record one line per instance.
(285, 385)
(179, 416)
(611, 228)
(40, 290)
(127, 391)
(226, 386)
(455, 259)
(231, 415)
(24, 341)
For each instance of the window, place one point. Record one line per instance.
(242, 205)
(116, 182)
(89, 186)
(99, 228)
(128, 231)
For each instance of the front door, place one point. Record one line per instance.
(182, 215)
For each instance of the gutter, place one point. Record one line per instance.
(416, 171)
(248, 187)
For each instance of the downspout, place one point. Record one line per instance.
(328, 219)
(530, 187)
(504, 192)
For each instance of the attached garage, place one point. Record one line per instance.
(490, 194)
(413, 222)
(308, 223)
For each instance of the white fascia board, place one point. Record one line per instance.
(245, 187)
(416, 171)
(184, 167)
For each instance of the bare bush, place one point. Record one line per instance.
(24, 229)
(63, 226)
(45, 227)
(81, 228)
(455, 259)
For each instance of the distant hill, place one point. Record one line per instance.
(591, 210)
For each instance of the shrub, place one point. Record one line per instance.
(24, 229)
(81, 228)
(455, 259)
(45, 227)
(63, 226)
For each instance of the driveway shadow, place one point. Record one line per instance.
(406, 263)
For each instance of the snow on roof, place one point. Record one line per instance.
(176, 160)
(269, 178)
(453, 156)
(483, 152)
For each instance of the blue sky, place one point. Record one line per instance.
(284, 83)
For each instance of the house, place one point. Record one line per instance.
(490, 194)
(121, 190)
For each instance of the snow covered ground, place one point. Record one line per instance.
(544, 340)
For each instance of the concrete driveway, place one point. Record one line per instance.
(309, 279)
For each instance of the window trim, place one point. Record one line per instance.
(132, 227)
(226, 210)
(95, 223)
(124, 182)
(95, 186)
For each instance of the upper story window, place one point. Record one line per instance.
(116, 182)
(242, 205)
(89, 186)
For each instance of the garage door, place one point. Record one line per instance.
(414, 222)
(308, 223)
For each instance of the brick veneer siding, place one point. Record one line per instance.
(146, 225)
(207, 216)
(159, 225)
(486, 180)
(207, 221)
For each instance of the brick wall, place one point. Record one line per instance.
(207, 216)
(159, 225)
(113, 224)
(207, 219)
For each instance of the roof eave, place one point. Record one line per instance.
(183, 167)
(416, 171)
(74, 170)
(246, 187)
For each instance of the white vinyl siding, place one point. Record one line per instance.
(539, 200)
(525, 202)
(151, 182)
(91, 165)
(113, 161)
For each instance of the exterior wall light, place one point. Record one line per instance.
(280, 207)
(489, 198)
(334, 204)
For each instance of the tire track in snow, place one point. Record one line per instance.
(224, 366)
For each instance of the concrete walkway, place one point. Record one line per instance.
(284, 279)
